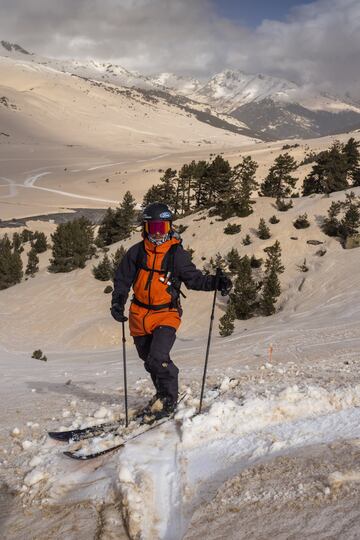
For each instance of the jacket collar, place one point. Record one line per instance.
(163, 248)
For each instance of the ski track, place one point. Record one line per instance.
(162, 477)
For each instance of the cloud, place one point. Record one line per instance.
(318, 44)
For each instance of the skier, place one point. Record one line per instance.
(155, 268)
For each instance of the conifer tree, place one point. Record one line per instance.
(279, 181)
(263, 230)
(245, 184)
(72, 245)
(117, 258)
(117, 224)
(39, 242)
(350, 223)
(271, 291)
(329, 173)
(331, 223)
(10, 264)
(17, 242)
(243, 297)
(104, 270)
(233, 259)
(271, 287)
(226, 322)
(33, 263)
(352, 156)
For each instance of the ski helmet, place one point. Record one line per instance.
(157, 219)
(158, 212)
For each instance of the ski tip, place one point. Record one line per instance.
(59, 435)
(73, 455)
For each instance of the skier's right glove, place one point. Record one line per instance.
(117, 311)
(224, 284)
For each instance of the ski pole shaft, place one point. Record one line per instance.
(217, 276)
(125, 377)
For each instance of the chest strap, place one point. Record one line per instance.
(151, 306)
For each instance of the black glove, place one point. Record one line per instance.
(117, 311)
(224, 284)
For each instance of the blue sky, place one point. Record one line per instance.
(252, 12)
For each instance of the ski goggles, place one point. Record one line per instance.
(157, 227)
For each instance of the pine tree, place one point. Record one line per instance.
(245, 184)
(104, 270)
(39, 242)
(273, 260)
(26, 235)
(233, 259)
(263, 230)
(243, 297)
(331, 223)
(329, 172)
(72, 245)
(10, 264)
(271, 291)
(279, 181)
(352, 156)
(117, 224)
(33, 263)
(17, 242)
(117, 258)
(226, 322)
(350, 223)
(271, 287)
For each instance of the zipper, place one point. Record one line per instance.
(151, 275)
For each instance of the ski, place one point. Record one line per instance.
(79, 453)
(95, 431)
(85, 433)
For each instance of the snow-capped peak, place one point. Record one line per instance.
(235, 88)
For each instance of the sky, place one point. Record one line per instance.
(316, 44)
(253, 12)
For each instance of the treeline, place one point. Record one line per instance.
(335, 169)
(11, 265)
(206, 184)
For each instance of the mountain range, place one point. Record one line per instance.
(258, 105)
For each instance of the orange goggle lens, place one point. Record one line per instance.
(157, 227)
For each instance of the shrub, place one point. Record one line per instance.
(246, 241)
(274, 220)
(301, 222)
(108, 289)
(232, 228)
(181, 228)
(283, 206)
(38, 355)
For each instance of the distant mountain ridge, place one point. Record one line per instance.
(269, 107)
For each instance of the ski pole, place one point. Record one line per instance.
(125, 379)
(217, 277)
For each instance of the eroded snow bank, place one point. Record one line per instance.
(164, 476)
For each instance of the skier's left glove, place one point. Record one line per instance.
(224, 284)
